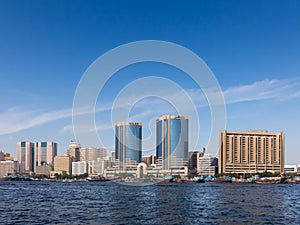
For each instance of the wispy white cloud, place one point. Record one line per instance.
(259, 90)
(140, 116)
(68, 129)
(296, 94)
(102, 127)
(135, 117)
(16, 119)
(262, 90)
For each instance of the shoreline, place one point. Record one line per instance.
(146, 182)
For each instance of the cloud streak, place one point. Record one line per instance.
(259, 90)
(262, 90)
(16, 119)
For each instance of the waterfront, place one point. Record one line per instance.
(169, 203)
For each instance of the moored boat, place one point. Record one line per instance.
(297, 179)
(97, 178)
(4, 179)
(272, 180)
(226, 179)
(265, 181)
(168, 179)
(200, 179)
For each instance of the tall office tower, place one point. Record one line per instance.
(45, 153)
(172, 141)
(92, 154)
(74, 151)
(128, 144)
(25, 156)
(254, 151)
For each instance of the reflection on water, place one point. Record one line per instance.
(171, 203)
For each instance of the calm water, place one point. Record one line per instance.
(111, 203)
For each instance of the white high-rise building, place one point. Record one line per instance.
(25, 156)
(45, 153)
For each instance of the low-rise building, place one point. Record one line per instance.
(143, 171)
(194, 160)
(79, 168)
(8, 167)
(63, 163)
(8, 158)
(148, 160)
(58, 174)
(44, 170)
(98, 166)
(208, 165)
(291, 168)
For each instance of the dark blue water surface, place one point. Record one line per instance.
(169, 203)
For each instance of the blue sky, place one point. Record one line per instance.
(252, 47)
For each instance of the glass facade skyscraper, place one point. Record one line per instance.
(172, 141)
(128, 143)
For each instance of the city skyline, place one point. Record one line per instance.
(252, 49)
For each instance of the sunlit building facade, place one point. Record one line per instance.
(45, 153)
(172, 141)
(254, 151)
(63, 164)
(148, 160)
(128, 144)
(208, 165)
(8, 167)
(194, 161)
(79, 168)
(25, 156)
(92, 154)
(74, 151)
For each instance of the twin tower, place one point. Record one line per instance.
(171, 143)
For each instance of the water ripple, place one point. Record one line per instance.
(111, 203)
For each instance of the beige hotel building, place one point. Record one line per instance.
(254, 151)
